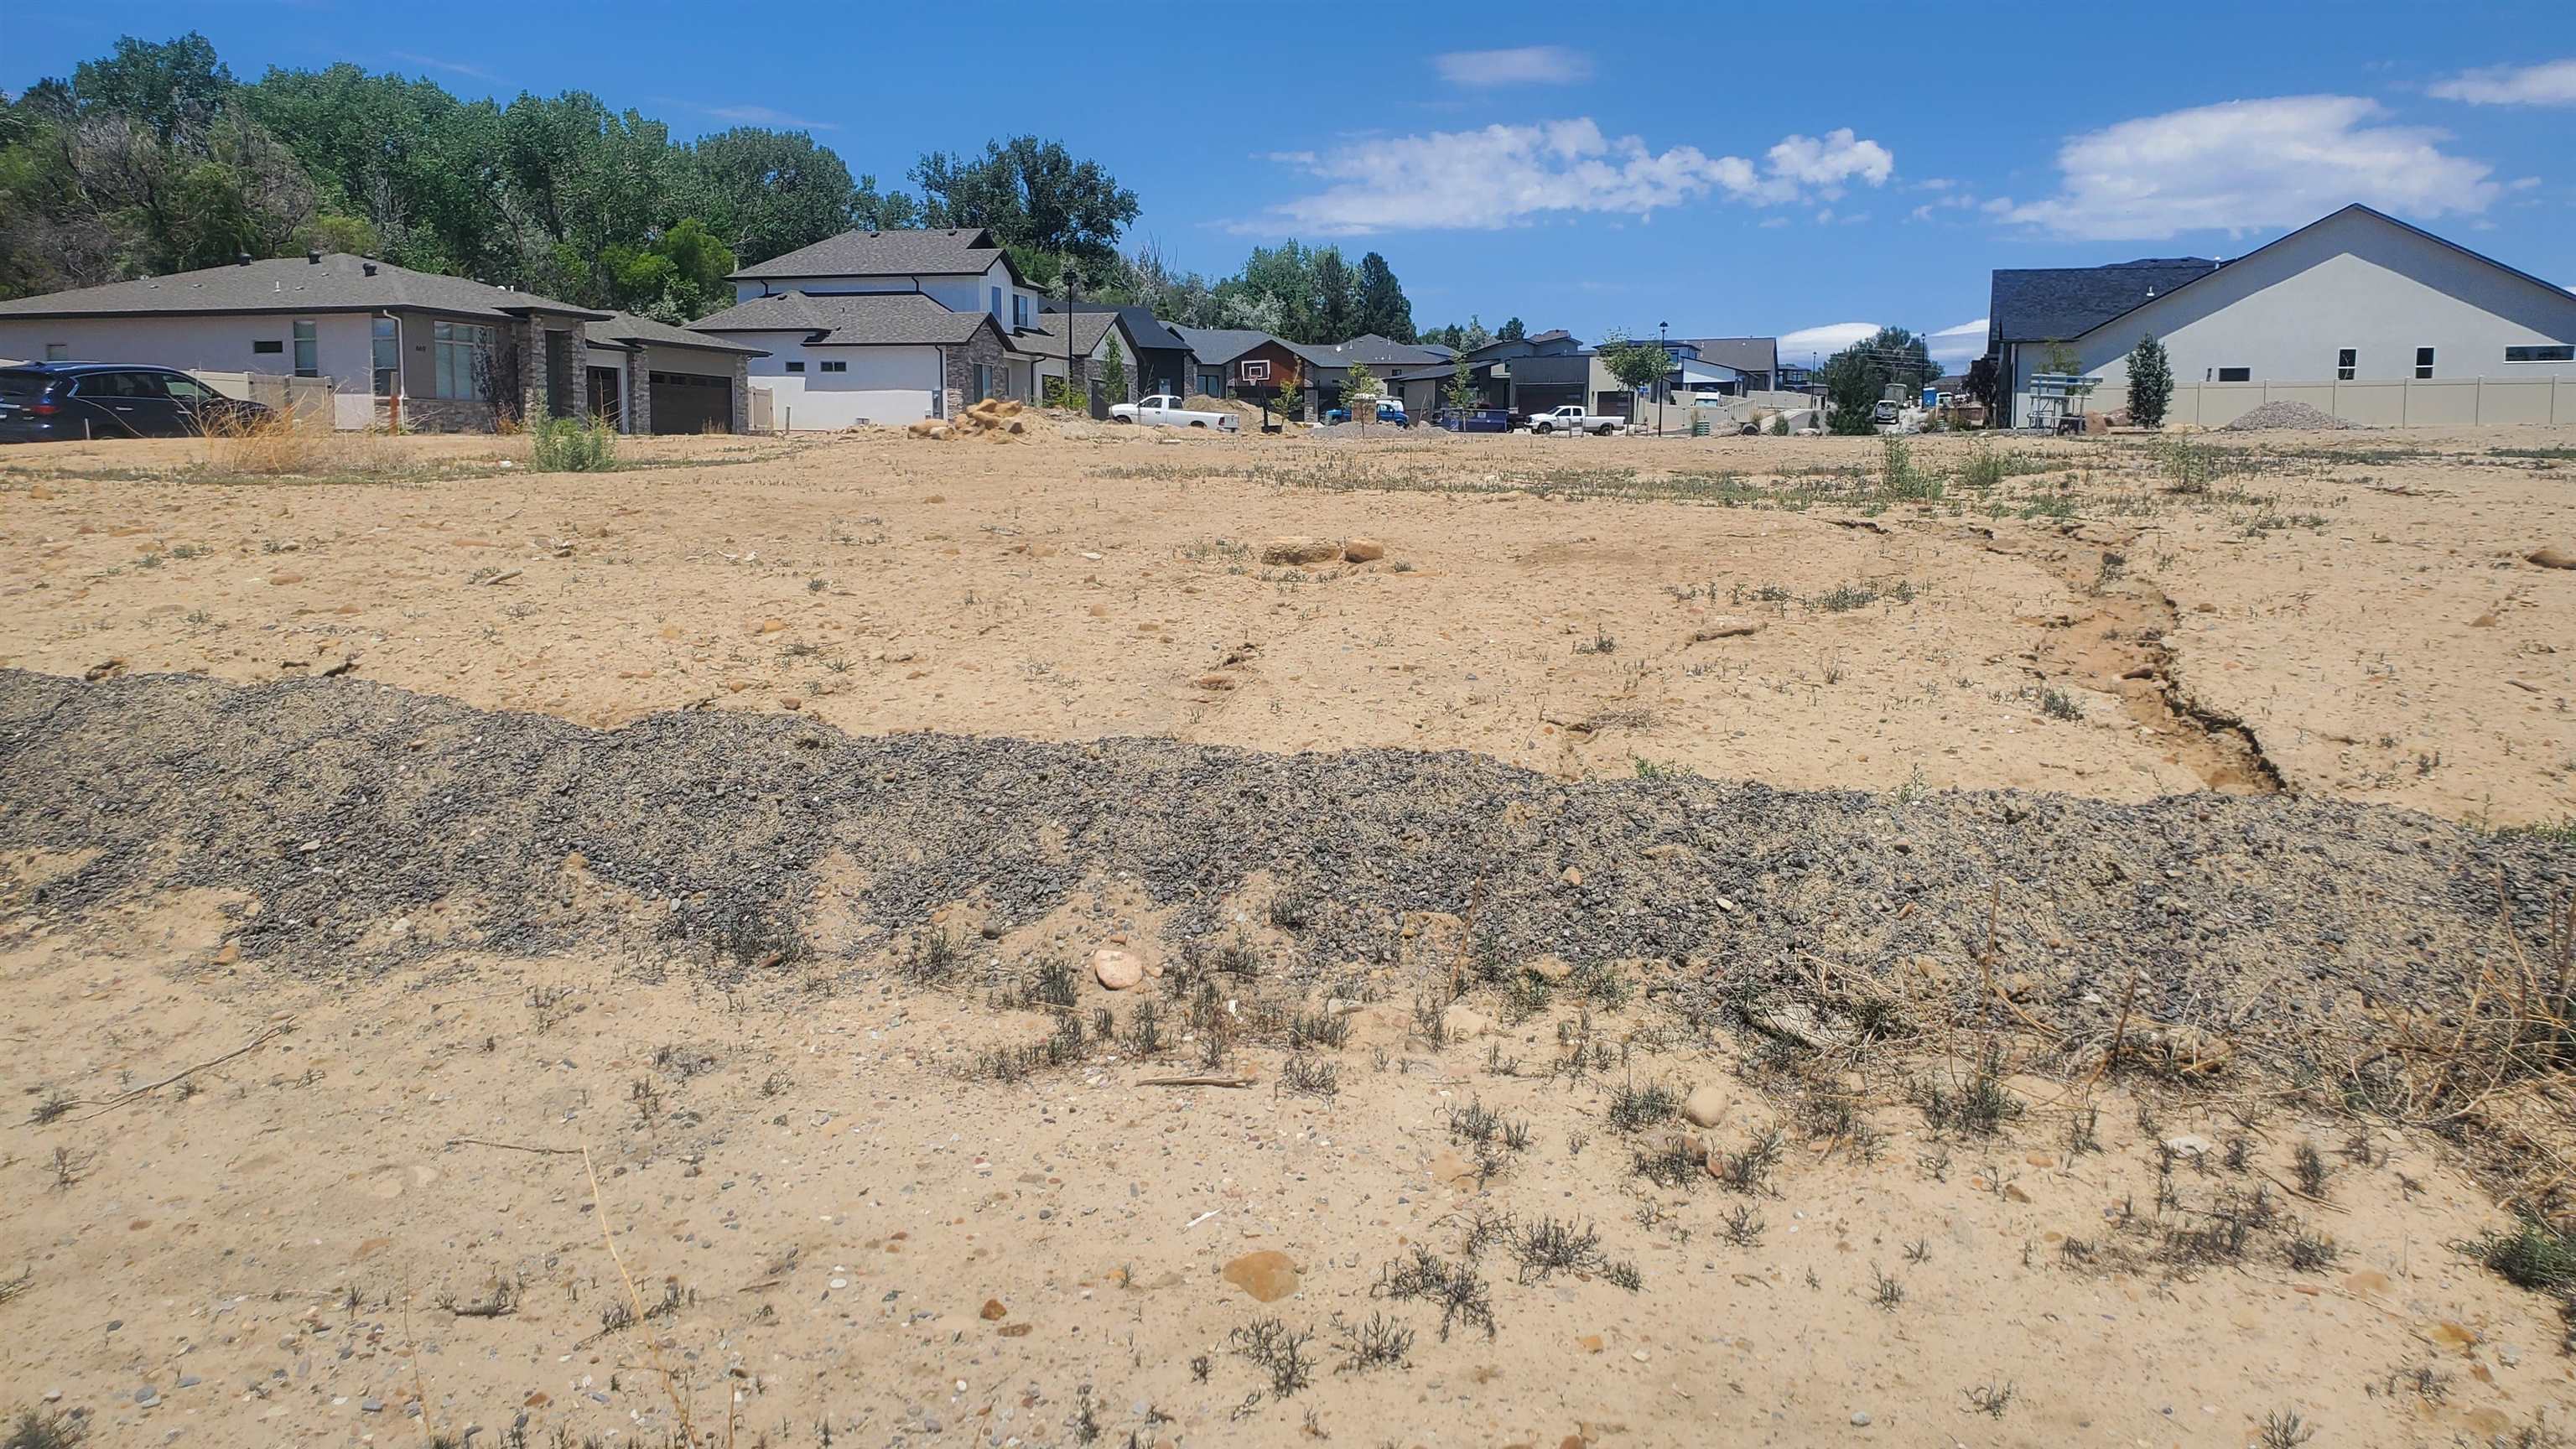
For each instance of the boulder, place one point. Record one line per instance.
(1704, 1107)
(1464, 1023)
(1299, 549)
(2553, 558)
(1363, 550)
(1727, 626)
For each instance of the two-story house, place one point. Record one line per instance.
(883, 327)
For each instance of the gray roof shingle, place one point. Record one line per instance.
(1217, 346)
(874, 319)
(339, 282)
(2059, 304)
(884, 254)
(623, 330)
(1140, 323)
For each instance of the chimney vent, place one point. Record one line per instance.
(313, 257)
(369, 267)
(241, 259)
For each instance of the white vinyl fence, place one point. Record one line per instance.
(2436, 402)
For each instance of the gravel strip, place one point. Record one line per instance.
(340, 805)
(2265, 417)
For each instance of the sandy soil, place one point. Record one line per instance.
(381, 1205)
(2358, 601)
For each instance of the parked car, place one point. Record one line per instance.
(1473, 420)
(1163, 410)
(1387, 412)
(1571, 418)
(44, 402)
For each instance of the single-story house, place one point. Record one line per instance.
(1328, 365)
(836, 360)
(433, 353)
(1157, 360)
(653, 377)
(1214, 351)
(2351, 311)
(1525, 375)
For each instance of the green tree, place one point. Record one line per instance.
(1636, 364)
(1981, 380)
(1512, 331)
(1358, 382)
(163, 86)
(1113, 372)
(1382, 305)
(766, 193)
(1461, 387)
(1031, 194)
(1336, 298)
(678, 276)
(1853, 385)
(2150, 383)
(2057, 357)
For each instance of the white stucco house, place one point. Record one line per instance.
(427, 352)
(883, 327)
(2358, 313)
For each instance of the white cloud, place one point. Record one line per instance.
(2550, 83)
(1528, 65)
(2251, 165)
(1823, 341)
(453, 67)
(1962, 343)
(1508, 175)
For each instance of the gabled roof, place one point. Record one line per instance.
(1217, 346)
(625, 332)
(1371, 350)
(954, 252)
(1557, 334)
(1744, 354)
(338, 282)
(1142, 328)
(2058, 304)
(1045, 337)
(866, 319)
(2353, 209)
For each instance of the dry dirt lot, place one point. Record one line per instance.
(396, 1062)
(1752, 608)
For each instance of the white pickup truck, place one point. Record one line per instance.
(1165, 411)
(1571, 418)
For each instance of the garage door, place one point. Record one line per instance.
(1534, 398)
(689, 402)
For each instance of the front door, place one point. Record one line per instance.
(604, 399)
(558, 374)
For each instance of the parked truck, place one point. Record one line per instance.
(1165, 411)
(1571, 418)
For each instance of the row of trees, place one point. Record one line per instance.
(1859, 375)
(156, 158)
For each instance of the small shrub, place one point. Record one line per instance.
(2533, 1255)
(569, 445)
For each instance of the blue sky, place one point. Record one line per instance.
(1716, 168)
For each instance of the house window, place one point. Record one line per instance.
(836, 367)
(983, 382)
(2547, 352)
(1019, 309)
(307, 351)
(58, 352)
(462, 354)
(2236, 374)
(388, 347)
(270, 348)
(2423, 362)
(2345, 361)
(795, 367)
(997, 304)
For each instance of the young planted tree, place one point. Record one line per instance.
(2150, 383)
(1636, 364)
(1292, 391)
(1113, 372)
(1358, 387)
(1461, 388)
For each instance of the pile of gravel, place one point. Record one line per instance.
(2277, 415)
(340, 806)
(1381, 433)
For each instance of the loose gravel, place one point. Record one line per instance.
(340, 806)
(2269, 416)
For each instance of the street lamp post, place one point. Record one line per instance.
(1072, 280)
(1662, 388)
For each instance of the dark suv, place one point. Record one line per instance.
(47, 402)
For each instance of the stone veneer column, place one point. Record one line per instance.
(741, 394)
(639, 393)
